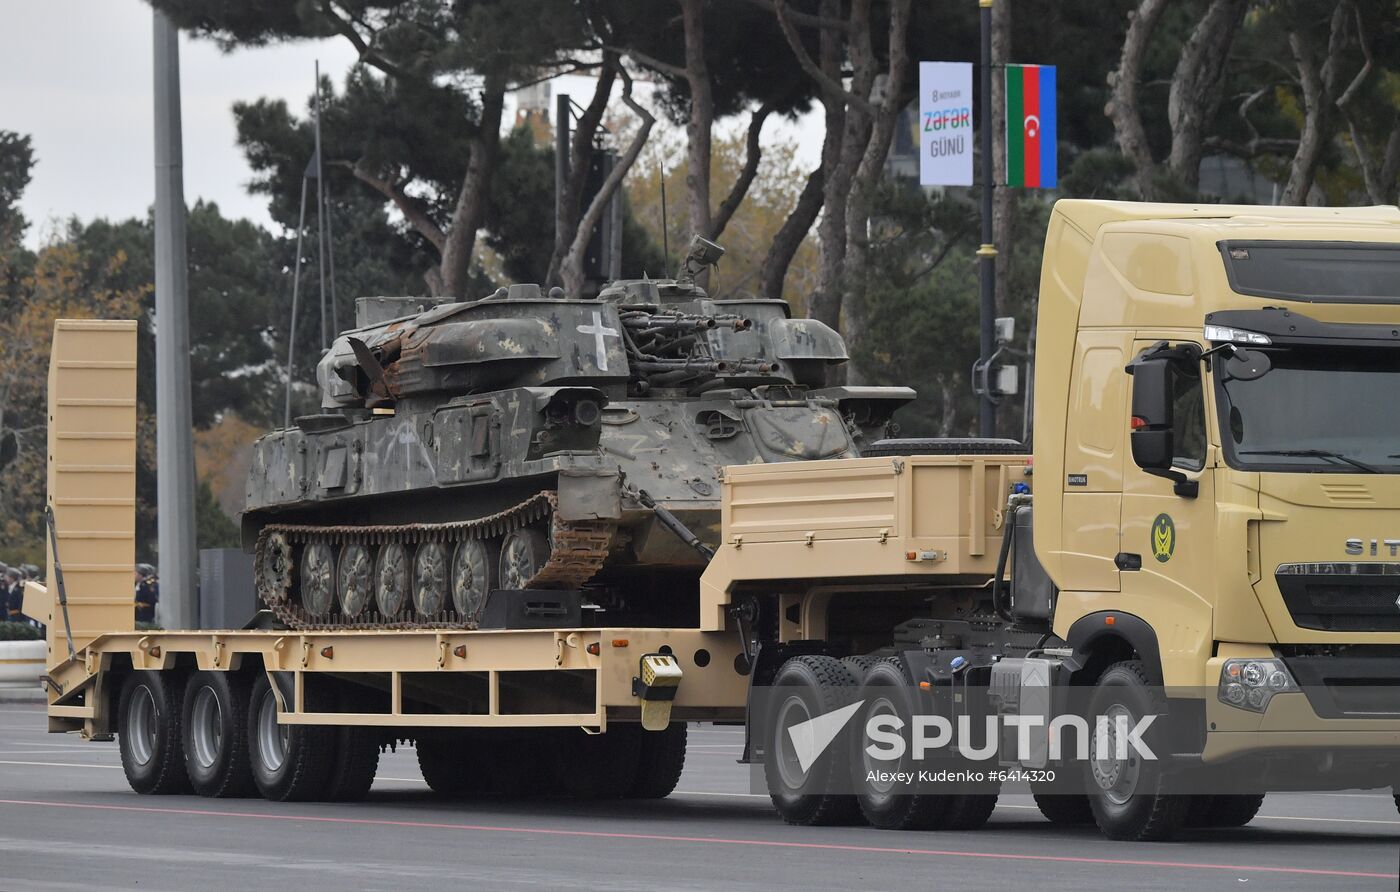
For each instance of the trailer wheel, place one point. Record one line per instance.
(1127, 795)
(356, 754)
(215, 734)
(1067, 809)
(599, 766)
(968, 811)
(148, 728)
(806, 687)
(291, 763)
(661, 762)
(1223, 809)
(886, 692)
(453, 765)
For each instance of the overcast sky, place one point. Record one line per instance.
(76, 75)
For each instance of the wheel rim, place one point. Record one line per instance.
(1117, 778)
(792, 712)
(471, 569)
(880, 789)
(430, 579)
(519, 563)
(141, 721)
(391, 579)
(207, 728)
(354, 579)
(318, 578)
(272, 737)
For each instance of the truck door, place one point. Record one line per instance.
(1172, 535)
(1094, 458)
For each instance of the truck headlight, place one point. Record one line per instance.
(1250, 683)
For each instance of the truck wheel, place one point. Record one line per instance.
(215, 734)
(453, 765)
(1064, 808)
(356, 756)
(860, 665)
(886, 692)
(968, 811)
(148, 728)
(1223, 809)
(1128, 799)
(291, 763)
(806, 687)
(661, 762)
(599, 766)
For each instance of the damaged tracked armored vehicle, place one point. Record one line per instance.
(531, 441)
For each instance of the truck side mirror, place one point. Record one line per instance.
(1152, 413)
(1151, 438)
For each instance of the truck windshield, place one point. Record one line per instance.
(1317, 409)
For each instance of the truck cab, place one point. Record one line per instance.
(1217, 455)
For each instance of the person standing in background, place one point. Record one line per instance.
(147, 593)
(13, 596)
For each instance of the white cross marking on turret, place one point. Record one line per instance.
(599, 331)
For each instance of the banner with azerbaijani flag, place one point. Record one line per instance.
(1030, 126)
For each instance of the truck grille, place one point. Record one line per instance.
(1349, 680)
(1342, 597)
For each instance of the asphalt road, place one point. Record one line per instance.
(68, 821)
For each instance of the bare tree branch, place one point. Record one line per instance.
(753, 155)
(572, 268)
(1123, 108)
(666, 68)
(828, 84)
(807, 20)
(362, 46)
(413, 210)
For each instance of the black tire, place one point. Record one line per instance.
(944, 446)
(661, 762)
(451, 764)
(599, 766)
(819, 685)
(968, 811)
(214, 729)
(356, 751)
(1068, 809)
(1145, 812)
(860, 665)
(886, 690)
(1223, 809)
(148, 728)
(291, 763)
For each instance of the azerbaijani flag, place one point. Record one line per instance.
(1030, 126)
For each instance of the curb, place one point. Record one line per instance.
(22, 694)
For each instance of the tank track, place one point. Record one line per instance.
(578, 550)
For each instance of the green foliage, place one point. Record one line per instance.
(18, 632)
(212, 527)
(16, 166)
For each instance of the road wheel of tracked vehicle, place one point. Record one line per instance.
(804, 688)
(148, 728)
(354, 579)
(290, 762)
(318, 578)
(215, 727)
(523, 553)
(661, 762)
(887, 693)
(430, 579)
(391, 573)
(274, 568)
(474, 565)
(1127, 795)
(1223, 809)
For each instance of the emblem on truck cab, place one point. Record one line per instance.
(1163, 538)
